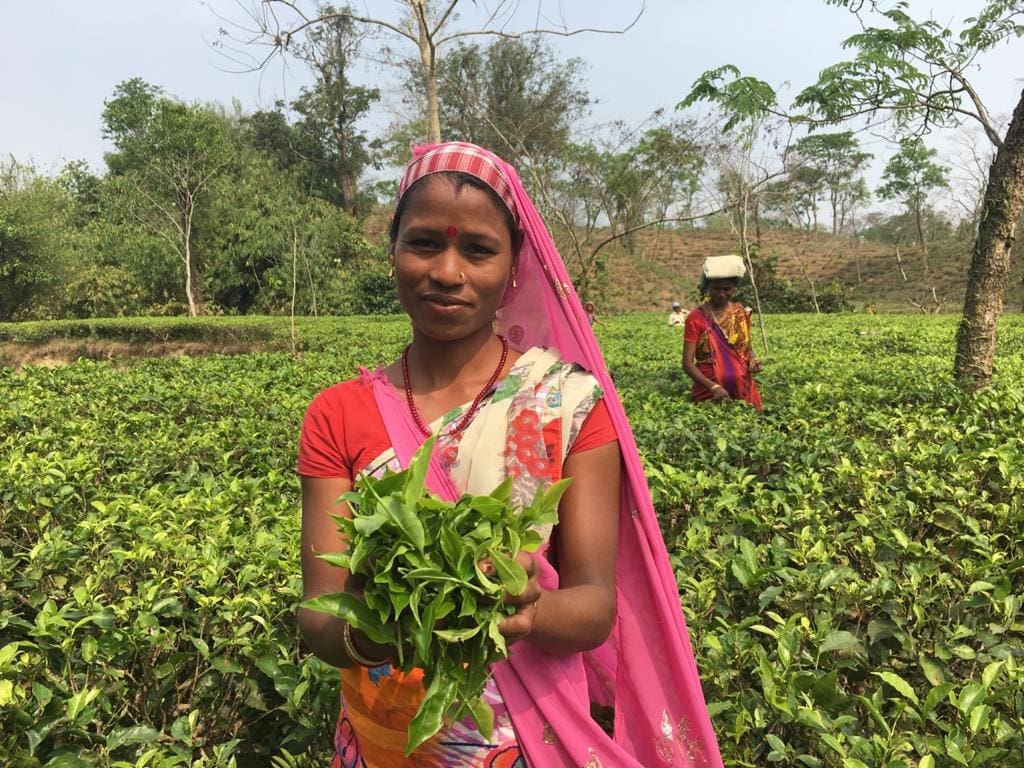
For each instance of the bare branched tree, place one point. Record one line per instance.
(970, 160)
(271, 27)
(757, 156)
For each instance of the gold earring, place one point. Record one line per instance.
(514, 285)
(391, 267)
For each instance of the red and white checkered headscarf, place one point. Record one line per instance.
(461, 157)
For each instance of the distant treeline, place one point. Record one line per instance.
(204, 210)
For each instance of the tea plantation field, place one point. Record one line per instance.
(851, 561)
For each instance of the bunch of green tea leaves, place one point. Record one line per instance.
(426, 592)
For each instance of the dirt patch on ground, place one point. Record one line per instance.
(64, 351)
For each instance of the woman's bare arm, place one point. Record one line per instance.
(718, 392)
(320, 535)
(579, 615)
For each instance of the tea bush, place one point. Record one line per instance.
(850, 560)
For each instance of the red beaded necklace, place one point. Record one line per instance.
(464, 421)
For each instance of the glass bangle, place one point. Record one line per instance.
(355, 655)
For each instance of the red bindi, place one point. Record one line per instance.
(452, 231)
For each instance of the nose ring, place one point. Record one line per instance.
(462, 278)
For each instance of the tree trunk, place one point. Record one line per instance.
(835, 213)
(920, 238)
(989, 272)
(347, 188)
(342, 177)
(899, 263)
(428, 55)
(193, 289)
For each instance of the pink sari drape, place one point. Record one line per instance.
(646, 668)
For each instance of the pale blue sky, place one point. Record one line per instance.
(61, 59)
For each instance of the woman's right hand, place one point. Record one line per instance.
(364, 645)
(718, 392)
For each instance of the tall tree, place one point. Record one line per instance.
(429, 25)
(33, 238)
(917, 73)
(644, 182)
(274, 243)
(514, 96)
(909, 176)
(806, 183)
(838, 159)
(328, 135)
(596, 195)
(167, 155)
(269, 131)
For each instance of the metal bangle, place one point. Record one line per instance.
(355, 655)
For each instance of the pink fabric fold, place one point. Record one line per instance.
(646, 669)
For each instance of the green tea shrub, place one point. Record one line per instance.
(850, 561)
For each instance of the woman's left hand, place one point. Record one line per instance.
(520, 624)
(754, 366)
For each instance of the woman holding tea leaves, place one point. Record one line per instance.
(504, 369)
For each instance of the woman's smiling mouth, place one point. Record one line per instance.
(444, 300)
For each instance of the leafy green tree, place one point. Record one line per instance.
(839, 161)
(35, 236)
(115, 268)
(644, 182)
(276, 246)
(85, 190)
(593, 196)
(909, 176)
(327, 136)
(800, 191)
(119, 239)
(514, 96)
(167, 155)
(916, 72)
(270, 132)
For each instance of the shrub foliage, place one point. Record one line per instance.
(850, 561)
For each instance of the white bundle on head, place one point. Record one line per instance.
(723, 267)
(729, 267)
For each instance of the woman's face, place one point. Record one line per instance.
(720, 292)
(453, 257)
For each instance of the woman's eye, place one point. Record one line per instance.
(479, 251)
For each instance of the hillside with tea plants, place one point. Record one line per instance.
(850, 561)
